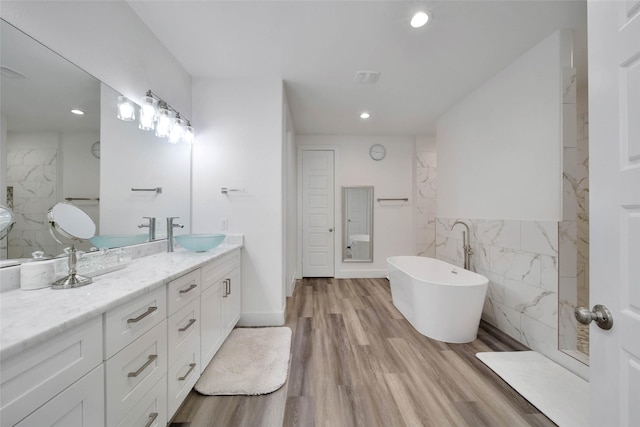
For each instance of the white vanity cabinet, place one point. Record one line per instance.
(184, 337)
(129, 362)
(231, 301)
(220, 303)
(136, 353)
(42, 385)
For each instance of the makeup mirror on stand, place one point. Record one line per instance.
(6, 221)
(68, 225)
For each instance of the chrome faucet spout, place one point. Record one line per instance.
(170, 227)
(152, 227)
(466, 246)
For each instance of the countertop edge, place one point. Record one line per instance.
(40, 334)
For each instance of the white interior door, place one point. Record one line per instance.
(318, 213)
(614, 139)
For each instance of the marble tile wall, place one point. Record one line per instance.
(32, 174)
(574, 227)
(425, 206)
(520, 258)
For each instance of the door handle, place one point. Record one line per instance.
(331, 230)
(599, 313)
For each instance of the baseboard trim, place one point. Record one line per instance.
(361, 274)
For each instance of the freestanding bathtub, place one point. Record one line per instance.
(442, 301)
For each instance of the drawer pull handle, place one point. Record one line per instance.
(191, 366)
(143, 315)
(191, 322)
(226, 292)
(152, 418)
(143, 367)
(190, 288)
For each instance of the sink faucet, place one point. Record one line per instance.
(170, 227)
(152, 227)
(466, 246)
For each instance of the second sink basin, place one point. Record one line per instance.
(199, 242)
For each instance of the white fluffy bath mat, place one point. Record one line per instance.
(251, 361)
(558, 393)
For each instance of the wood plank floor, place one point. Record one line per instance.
(357, 362)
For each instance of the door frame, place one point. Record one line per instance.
(336, 206)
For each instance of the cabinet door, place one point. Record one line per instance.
(231, 301)
(36, 375)
(81, 405)
(210, 324)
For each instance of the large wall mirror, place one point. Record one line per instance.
(357, 224)
(49, 155)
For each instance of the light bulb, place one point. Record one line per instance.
(163, 127)
(365, 115)
(177, 130)
(148, 108)
(189, 134)
(126, 110)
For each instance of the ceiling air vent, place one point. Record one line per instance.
(366, 77)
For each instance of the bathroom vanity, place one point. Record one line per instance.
(122, 351)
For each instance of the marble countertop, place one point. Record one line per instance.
(30, 317)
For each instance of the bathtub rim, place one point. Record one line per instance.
(481, 280)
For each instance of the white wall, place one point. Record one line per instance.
(132, 158)
(391, 178)
(499, 149)
(239, 144)
(107, 40)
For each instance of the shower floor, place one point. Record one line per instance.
(555, 391)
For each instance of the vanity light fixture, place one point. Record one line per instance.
(156, 114)
(163, 125)
(148, 110)
(177, 129)
(189, 134)
(420, 19)
(126, 109)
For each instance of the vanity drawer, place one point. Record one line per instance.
(127, 322)
(34, 376)
(134, 371)
(151, 410)
(216, 270)
(183, 290)
(183, 374)
(80, 405)
(181, 326)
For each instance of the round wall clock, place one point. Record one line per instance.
(95, 149)
(377, 152)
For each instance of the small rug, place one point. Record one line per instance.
(557, 392)
(251, 361)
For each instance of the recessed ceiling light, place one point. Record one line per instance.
(78, 112)
(365, 115)
(419, 19)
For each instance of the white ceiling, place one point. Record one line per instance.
(316, 47)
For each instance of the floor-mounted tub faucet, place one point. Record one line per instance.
(152, 227)
(170, 227)
(466, 246)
